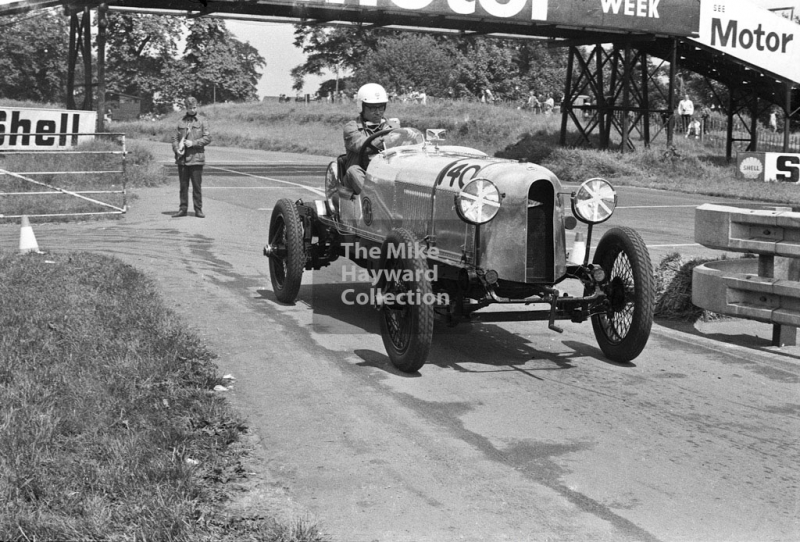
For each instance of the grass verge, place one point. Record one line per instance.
(698, 167)
(109, 427)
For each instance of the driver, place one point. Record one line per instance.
(372, 100)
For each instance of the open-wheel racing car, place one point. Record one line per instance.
(445, 231)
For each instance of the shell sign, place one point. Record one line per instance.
(771, 167)
(23, 128)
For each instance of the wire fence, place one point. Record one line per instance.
(714, 132)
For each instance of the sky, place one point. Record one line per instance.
(274, 42)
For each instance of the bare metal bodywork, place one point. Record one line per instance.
(415, 188)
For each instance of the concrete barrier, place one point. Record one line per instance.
(766, 288)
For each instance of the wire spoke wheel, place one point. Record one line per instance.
(399, 321)
(407, 317)
(623, 329)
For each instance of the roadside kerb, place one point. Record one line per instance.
(765, 289)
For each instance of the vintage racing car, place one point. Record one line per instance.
(445, 231)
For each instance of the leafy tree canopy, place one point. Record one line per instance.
(33, 57)
(409, 60)
(442, 64)
(142, 59)
(141, 54)
(218, 67)
(337, 49)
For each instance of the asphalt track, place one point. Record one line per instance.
(510, 432)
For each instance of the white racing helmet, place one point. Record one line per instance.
(371, 93)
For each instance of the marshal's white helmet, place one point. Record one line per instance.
(371, 93)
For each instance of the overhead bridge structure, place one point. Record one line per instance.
(753, 52)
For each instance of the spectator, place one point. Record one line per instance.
(773, 121)
(693, 129)
(423, 97)
(686, 111)
(533, 103)
(549, 104)
(705, 115)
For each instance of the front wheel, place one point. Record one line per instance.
(286, 251)
(407, 309)
(622, 331)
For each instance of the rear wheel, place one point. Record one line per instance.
(286, 251)
(407, 316)
(623, 330)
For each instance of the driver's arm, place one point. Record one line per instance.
(353, 137)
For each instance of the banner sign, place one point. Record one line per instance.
(666, 17)
(771, 167)
(753, 34)
(24, 128)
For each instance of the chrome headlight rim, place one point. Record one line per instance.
(595, 201)
(478, 202)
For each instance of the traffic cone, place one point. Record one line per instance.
(27, 240)
(578, 249)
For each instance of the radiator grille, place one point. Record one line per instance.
(415, 208)
(539, 250)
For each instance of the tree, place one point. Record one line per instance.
(141, 53)
(336, 49)
(544, 69)
(409, 60)
(486, 63)
(510, 68)
(33, 57)
(218, 67)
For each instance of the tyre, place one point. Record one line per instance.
(622, 331)
(407, 322)
(287, 256)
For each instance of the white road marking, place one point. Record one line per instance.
(298, 185)
(676, 245)
(655, 206)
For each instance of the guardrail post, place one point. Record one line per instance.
(783, 268)
(789, 269)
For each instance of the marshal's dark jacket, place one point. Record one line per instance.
(199, 135)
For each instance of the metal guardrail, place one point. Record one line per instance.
(766, 288)
(80, 194)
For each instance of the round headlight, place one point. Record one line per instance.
(594, 202)
(478, 202)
